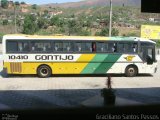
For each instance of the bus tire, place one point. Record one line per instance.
(131, 71)
(44, 71)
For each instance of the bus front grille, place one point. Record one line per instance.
(16, 67)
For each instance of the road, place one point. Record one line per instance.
(70, 91)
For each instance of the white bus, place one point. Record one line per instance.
(47, 55)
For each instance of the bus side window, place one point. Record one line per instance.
(11, 46)
(58, 46)
(44, 48)
(23, 46)
(88, 47)
(33, 46)
(83, 47)
(135, 47)
(67, 46)
(20, 46)
(127, 47)
(78, 47)
(93, 47)
(100, 46)
(47, 47)
(114, 47)
(26, 47)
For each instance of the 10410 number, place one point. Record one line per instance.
(18, 57)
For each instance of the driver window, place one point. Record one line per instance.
(150, 53)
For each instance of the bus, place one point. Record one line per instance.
(47, 55)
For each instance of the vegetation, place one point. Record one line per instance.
(1, 35)
(4, 4)
(34, 6)
(74, 21)
(158, 43)
(30, 26)
(23, 2)
(17, 3)
(131, 34)
(105, 32)
(5, 22)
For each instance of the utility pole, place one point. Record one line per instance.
(110, 19)
(15, 21)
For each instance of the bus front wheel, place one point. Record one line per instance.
(131, 71)
(44, 71)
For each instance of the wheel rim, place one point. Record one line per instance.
(44, 71)
(131, 71)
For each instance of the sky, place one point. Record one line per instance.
(46, 1)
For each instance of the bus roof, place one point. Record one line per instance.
(58, 37)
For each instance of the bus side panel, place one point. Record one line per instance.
(62, 68)
(126, 60)
(85, 64)
(101, 63)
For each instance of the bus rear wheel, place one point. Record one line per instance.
(131, 71)
(44, 71)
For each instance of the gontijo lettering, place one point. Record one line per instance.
(54, 57)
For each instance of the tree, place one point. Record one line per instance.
(105, 32)
(1, 36)
(23, 3)
(55, 20)
(45, 12)
(17, 3)
(5, 22)
(115, 32)
(72, 26)
(34, 6)
(133, 34)
(42, 23)
(84, 33)
(4, 3)
(30, 26)
(158, 43)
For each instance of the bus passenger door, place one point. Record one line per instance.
(148, 56)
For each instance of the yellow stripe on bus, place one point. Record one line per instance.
(83, 61)
(86, 57)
